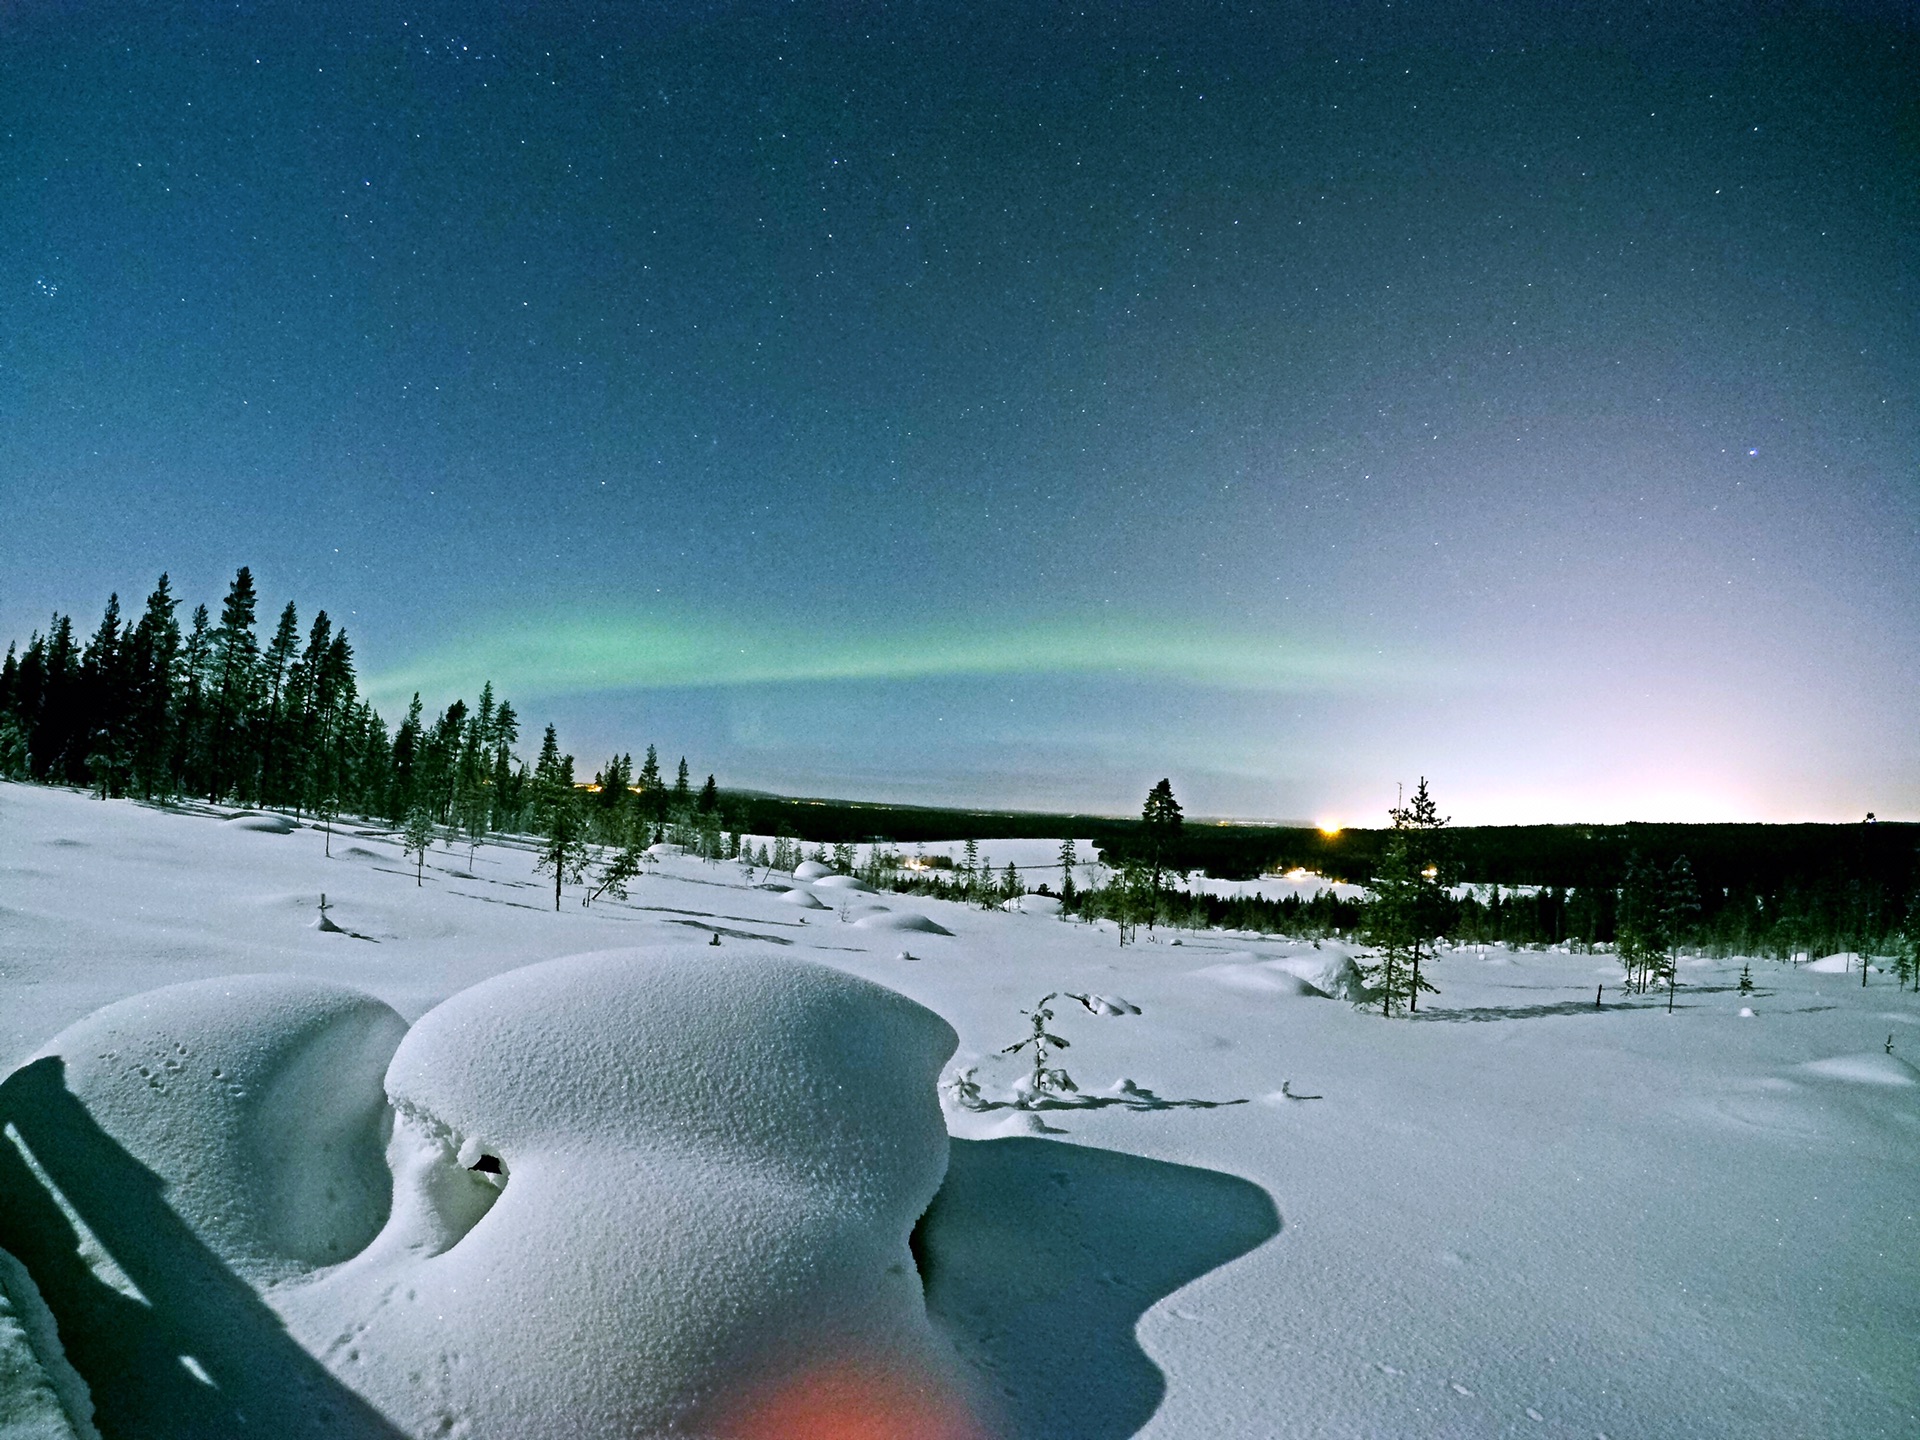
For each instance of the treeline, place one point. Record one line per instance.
(148, 707)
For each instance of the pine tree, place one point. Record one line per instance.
(1391, 926)
(275, 664)
(152, 656)
(619, 868)
(1160, 822)
(563, 852)
(103, 703)
(418, 836)
(709, 800)
(1043, 1079)
(1069, 860)
(682, 788)
(653, 795)
(1420, 821)
(1406, 909)
(234, 658)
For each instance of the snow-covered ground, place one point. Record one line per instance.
(1274, 1215)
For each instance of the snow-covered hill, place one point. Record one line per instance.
(1264, 1213)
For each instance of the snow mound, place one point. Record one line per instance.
(804, 898)
(265, 824)
(1106, 1005)
(901, 920)
(706, 1168)
(1033, 904)
(811, 870)
(1329, 970)
(1839, 964)
(42, 1397)
(257, 1099)
(844, 882)
(1865, 1069)
(1261, 978)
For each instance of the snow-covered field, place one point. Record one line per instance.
(670, 1189)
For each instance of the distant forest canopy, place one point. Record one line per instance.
(148, 708)
(1722, 856)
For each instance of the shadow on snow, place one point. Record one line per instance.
(1039, 1258)
(135, 1356)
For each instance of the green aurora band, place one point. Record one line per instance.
(579, 655)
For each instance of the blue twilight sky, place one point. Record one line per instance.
(1010, 403)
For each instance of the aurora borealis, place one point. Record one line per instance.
(1011, 404)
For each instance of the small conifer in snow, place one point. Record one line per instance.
(419, 838)
(1044, 1080)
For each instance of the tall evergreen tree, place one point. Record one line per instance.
(190, 733)
(234, 658)
(103, 702)
(152, 662)
(1160, 822)
(54, 733)
(1406, 908)
(563, 828)
(276, 661)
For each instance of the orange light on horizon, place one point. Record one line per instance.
(1330, 827)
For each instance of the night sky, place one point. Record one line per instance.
(1011, 403)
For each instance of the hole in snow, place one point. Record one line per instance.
(487, 1165)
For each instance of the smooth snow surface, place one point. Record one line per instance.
(1879, 1069)
(1260, 1214)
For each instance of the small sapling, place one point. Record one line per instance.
(1044, 1079)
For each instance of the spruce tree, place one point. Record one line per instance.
(234, 664)
(418, 837)
(709, 800)
(276, 661)
(1160, 822)
(1069, 859)
(152, 658)
(563, 851)
(1420, 820)
(103, 701)
(1406, 908)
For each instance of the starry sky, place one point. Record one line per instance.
(1011, 403)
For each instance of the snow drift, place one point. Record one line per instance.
(257, 1098)
(632, 1192)
(911, 920)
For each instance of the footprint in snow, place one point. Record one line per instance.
(1460, 1389)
